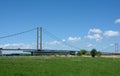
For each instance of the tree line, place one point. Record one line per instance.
(93, 52)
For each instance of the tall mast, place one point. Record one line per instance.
(40, 38)
(37, 36)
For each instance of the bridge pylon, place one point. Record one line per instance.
(39, 38)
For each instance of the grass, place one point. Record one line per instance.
(58, 66)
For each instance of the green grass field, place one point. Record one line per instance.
(58, 66)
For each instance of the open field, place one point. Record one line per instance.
(58, 66)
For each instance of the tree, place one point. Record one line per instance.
(83, 52)
(78, 53)
(93, 52)
(99, 53)
(0, 52)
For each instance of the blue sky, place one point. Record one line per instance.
(85, 24)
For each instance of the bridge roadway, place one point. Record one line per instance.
(30, 50)
(25, 50)
(42, 52)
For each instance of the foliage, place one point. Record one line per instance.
(93, 52)
(83, 52)
(99, 53)
(79, 53)
(0, 52)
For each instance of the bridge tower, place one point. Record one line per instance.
(39, 38)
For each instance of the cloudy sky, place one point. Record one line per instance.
(67, 24)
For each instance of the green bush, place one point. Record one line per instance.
(83, 52)
(0, 52)
(99, 53)
(78, 53)
(93, 52)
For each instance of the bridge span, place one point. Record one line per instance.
(39, 49)
(37, 52)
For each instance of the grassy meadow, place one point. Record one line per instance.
(58, 66)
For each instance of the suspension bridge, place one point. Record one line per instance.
(39, 50)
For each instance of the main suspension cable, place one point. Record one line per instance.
(11, 35)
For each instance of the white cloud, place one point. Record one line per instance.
(96, 37)
(53, 43)
(112, 44)
(117, 21)
(111, 33)
(74, 39)
(97, 31)
(95, 34)
(89, 45)
(17, 45)
(63, 40)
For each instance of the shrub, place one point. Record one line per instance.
(78, 53)
(99, 53)
(93, 52)
(83, 52)
(0, 52)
